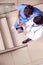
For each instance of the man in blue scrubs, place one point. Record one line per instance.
(25, 13)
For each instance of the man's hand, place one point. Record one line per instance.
(22, 25)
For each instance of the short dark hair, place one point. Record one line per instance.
(28, 10)
(38, 20)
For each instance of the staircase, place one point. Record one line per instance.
(9, 38)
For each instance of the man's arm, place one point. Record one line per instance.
(19, 22)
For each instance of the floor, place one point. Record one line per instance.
(30, 55)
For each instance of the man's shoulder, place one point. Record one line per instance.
(24, 4)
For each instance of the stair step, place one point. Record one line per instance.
(6, 34)
(1, 43)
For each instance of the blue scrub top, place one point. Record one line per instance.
(23, 18)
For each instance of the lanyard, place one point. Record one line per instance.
(35, 26)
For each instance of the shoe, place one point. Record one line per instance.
(12, 27)
(20, 29)
(26, 41)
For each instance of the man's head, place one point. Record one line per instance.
(38, 20)
(28, 10)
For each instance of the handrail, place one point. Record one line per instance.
(38, 4)
(7, 4)
(15, 9)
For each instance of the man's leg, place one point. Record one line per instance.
(18, 28)
(26, 41)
